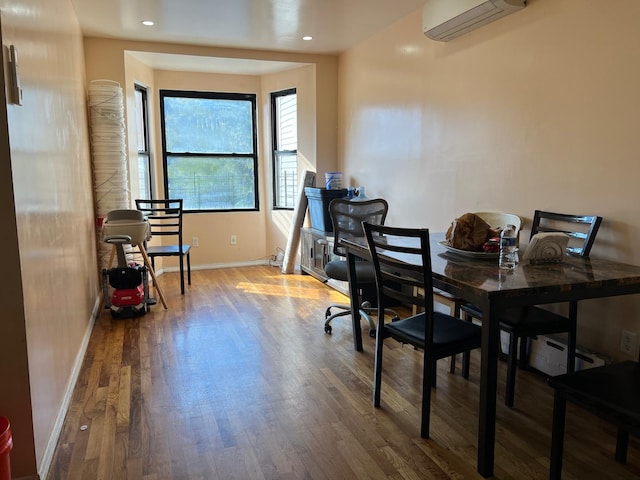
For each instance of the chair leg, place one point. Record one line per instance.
(511, 370)
(557, 436)
(466, 360)
(452, 364)
(189, 267)
(523, 360)
(622, 443)
(466, 355)
(455, 312)
(377, 368)
(429, 371)
(181, 274)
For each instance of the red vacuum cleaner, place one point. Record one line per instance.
(129, 281)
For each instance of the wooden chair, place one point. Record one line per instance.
(611, 392)
(521, 323)
(402, 261)
(347, 217)
(165, 220)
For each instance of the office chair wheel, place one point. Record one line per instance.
(327, 314)
(372, 333)
(327, 329)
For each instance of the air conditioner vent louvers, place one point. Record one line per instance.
(444, 20)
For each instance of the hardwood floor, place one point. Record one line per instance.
(237, 380)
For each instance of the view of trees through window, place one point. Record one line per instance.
(209, 148)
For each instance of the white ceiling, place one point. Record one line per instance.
(277, 25)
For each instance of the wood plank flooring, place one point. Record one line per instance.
(237, 380)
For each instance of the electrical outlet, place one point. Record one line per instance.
(195, 242)
(629, 343)
(234, 240)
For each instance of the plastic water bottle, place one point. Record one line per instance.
(360, 196)
(508, 248)
(350, 193)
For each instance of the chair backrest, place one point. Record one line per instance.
(402, 261)
(347, 217)
(164, 217)
(582, 229)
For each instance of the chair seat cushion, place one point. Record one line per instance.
(165, 250)
(611, 388)
(449, 333)
(526, 320)
(533, 321)
(339, 270)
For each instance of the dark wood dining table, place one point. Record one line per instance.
(478, 279)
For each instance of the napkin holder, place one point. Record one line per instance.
(546, 247)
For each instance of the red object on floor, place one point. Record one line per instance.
(126, 297)
(6, 443)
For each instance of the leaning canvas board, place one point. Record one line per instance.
(288, 263)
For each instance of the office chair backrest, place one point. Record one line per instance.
(582, 229)
(164, 217)
(347, 217)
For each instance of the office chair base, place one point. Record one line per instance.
(364, 313)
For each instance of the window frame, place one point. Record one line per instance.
(144, 123)
(250, 97)
(275, 151)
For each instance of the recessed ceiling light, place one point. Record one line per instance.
(148, 23)
(307, 37)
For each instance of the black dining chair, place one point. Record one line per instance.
(165, 220)
(611, 392)
(347, 217)
(522, 323)
(402, 262)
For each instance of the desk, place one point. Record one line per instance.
(481, 282)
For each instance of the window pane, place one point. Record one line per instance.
(285, 145)
(286, 179)
(141, 129)
(287, 126)
(205, 125)
(210, 154)
(144, 186)
(212, 183)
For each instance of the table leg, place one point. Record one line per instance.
(354, 300)
(571, 339)
(488, 387)
(557, 436)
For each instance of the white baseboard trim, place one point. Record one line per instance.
(45, 462)
(213, 266)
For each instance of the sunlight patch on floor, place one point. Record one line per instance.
(280, 290)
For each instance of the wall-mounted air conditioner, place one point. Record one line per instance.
(446, 19)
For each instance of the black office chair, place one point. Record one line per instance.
(522, 323)
(402, 262)
(347, 217)
(611, 392)
(165, 220)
